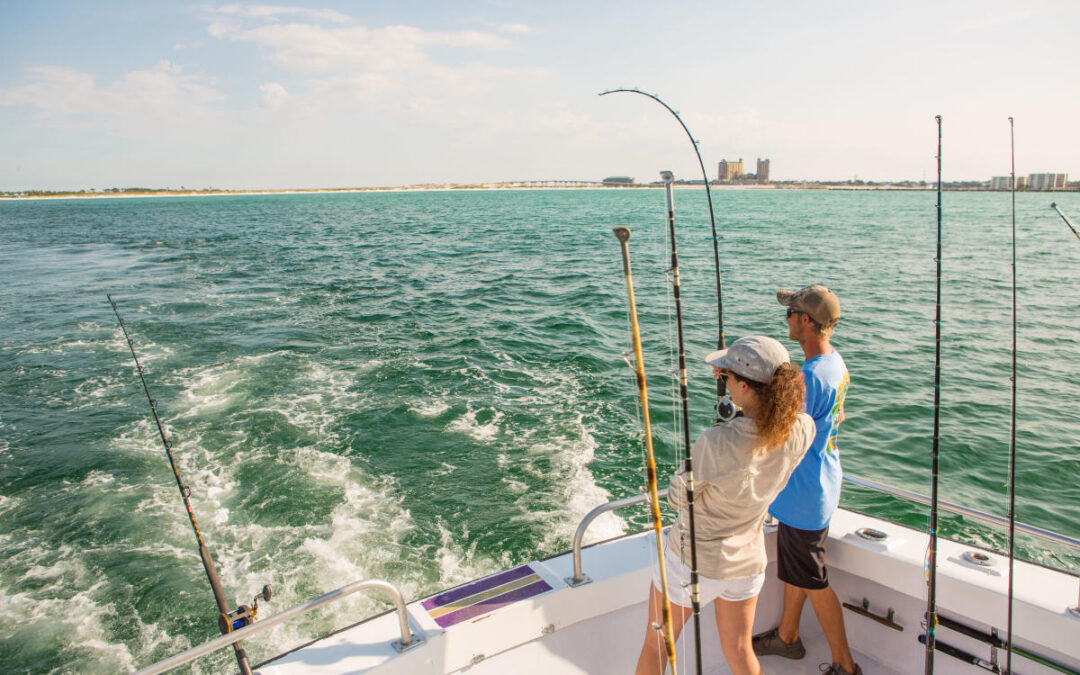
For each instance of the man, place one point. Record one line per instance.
(806, 505)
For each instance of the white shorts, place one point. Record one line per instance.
(678, 579)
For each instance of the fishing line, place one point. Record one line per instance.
(1012, 426)
(227, 619)
(725, 409)
(1068, 222)
(931, 551)
(623, 235)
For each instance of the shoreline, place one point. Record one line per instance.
(448, 188)
(488, 187)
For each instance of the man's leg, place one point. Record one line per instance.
(830, 615)
(794, 597)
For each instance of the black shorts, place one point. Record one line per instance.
(801, 557)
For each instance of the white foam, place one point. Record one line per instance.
(515, 487)
(444, 469)
(429, 408)
(52, 613)
(8, 503)
(457, 565)
(566, 453)
(99, 392)
(361, 540)
(98, 479)
(210, 389)
(467, 424)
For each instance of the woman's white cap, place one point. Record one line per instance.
(754, 357)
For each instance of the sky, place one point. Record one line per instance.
(110, 93)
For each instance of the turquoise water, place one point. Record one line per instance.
(427, 386)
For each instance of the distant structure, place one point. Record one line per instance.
(1047, 181)
(730, 171)
(1041, 182)
(1005, 183)
(762, 170)
(618, 181)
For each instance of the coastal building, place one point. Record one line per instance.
(730, 171)
(762, 170)
(618, 181)
(1005, 183)
(1047, 181)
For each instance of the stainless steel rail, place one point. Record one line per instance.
(580, 578)
(407, 641)
(988, 518)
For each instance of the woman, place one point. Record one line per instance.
(739, 466)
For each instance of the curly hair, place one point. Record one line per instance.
(779, 402)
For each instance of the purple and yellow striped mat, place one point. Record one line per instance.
(486, 595)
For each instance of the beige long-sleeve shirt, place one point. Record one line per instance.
(733, 488)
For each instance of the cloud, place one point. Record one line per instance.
(990, 20)
(275, 11)
(273, 95)
(153, 98)
(306, 48)
(336, 69)
(515, 28)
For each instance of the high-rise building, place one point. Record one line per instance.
(1047, 181)
(730, 171)
(762, 170)
(1005, 183)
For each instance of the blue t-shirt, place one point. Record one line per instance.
(812, 494)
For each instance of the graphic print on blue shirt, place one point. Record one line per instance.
(812, 494)
(837, 413)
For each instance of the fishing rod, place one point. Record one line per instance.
(725, 409)
(684, 398)
(623, 235)
(227, 619)
(931, 551)
(1068, 222)
(1012, 426)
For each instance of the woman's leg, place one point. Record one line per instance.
(735, 620)
(653, 659)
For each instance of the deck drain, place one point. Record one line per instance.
(979, 558)
(871, 534)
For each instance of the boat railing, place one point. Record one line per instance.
(408, 639)
(975, 514)
(580, 578)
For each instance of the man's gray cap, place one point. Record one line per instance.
(817, 301)
(754, 357)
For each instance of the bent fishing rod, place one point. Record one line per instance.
(1012, 426)
(1068, 222)
(931, 551)
(623, 235)
(725, 409)
(227, 619)
(684, 399)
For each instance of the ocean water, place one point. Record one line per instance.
(425, 387)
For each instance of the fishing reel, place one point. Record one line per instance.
(244, 615)
(725, 410)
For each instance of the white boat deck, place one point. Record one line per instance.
(598, 627)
